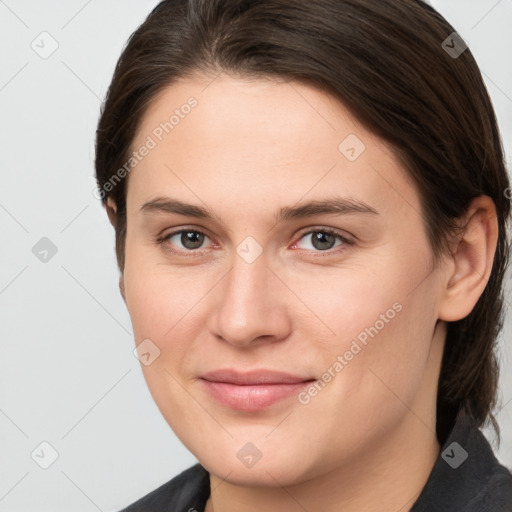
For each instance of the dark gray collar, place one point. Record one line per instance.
(466, 477)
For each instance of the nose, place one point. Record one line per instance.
(251, 305)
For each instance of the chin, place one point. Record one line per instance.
(246, 465)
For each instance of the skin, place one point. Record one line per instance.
(367, 440)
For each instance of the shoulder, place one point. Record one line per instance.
(498, 491)
(487, 483)
(466, 477)
(186, 492)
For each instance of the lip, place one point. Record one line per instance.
(254, 390)
(253, 377)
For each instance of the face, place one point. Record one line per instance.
(305, 255)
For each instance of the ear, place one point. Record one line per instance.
(470, 265)
(111, 208)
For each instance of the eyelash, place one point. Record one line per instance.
(161, 241)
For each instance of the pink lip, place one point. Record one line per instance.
(253, 390)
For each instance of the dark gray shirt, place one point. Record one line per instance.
(465, 478)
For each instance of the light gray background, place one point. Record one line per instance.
(67, 372)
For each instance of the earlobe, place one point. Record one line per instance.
(471, 262)
(111, 208)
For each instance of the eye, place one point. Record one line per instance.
(323, 240)
(190, 240)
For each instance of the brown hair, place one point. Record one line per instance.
(384, 60)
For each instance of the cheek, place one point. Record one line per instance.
(166, 306)
(156, 296)
(375, 326)
(340, 303)
(161, 310)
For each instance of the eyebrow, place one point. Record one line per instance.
(335, 205)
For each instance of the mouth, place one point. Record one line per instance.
(252, 391)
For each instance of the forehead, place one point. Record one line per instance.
(255, 109)
(260, 139)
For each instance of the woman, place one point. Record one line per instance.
(310, 206)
